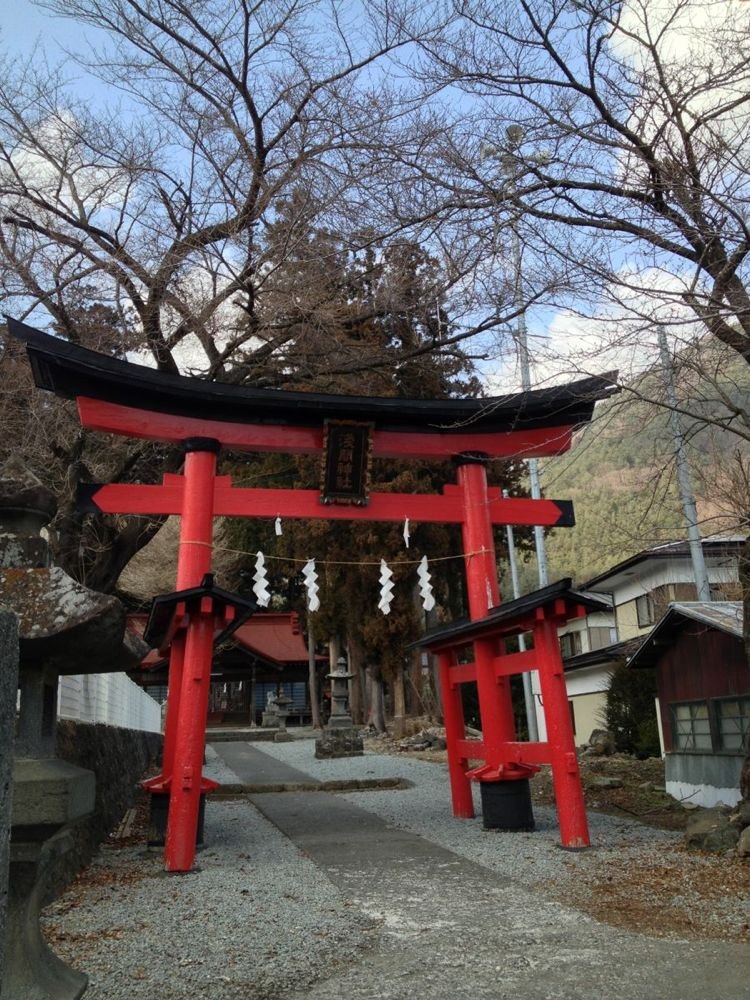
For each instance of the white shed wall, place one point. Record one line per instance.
(112, 699)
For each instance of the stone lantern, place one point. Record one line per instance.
(340, 738)
(62, 628)
(282, 704)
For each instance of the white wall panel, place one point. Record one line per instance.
(112, 699)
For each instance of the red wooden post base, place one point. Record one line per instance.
(455, 732)
(503, 757)
(185, 788)
(571, 811)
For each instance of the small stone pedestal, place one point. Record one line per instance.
(340, 738)
(48, 795)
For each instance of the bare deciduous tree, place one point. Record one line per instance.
(616, 136)
(150, 227)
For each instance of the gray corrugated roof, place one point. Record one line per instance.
(605, 654)
(724, 615)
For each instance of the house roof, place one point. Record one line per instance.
(606, 654)
(725, 616)
(716, 545)
(274, 637)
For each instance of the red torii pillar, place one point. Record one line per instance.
(184, 734)
(483, 593)
(190, 660)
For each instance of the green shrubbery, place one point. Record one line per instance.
(631, 712)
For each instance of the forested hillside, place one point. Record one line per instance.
(621, 475)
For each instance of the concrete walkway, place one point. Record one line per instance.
(451, 928)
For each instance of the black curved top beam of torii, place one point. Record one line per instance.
(72, 372)
(120, 397)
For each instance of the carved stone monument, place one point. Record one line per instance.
(270, 718)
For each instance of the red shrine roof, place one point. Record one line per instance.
(273, 636)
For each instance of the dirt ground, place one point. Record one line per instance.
(669, 892)
(640, 794)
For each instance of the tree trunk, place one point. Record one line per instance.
(251, 686)
(744, 575)
(437, 692)
(312, 676)
(376, 717)
(399, 702)
(356, 688)
(364, 688)
(334, 651)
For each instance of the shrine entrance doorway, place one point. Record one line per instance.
(118, 397)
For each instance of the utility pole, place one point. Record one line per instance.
(512, 164)
(528, 692)
(523, 358)
(683, 473)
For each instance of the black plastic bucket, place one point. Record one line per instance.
(506, 805)
(157, 831)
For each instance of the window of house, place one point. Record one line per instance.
(644, 609)
(691, 726)
(733, 723)
(570, 644)
(600, 636)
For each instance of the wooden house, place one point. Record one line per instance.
(703, 684)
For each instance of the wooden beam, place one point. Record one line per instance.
(229, 501)
(114, 418)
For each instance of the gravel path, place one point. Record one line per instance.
(261, 919)
(425, 810)
(255, 921)
(680, 894)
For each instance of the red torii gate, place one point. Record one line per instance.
(118, 397)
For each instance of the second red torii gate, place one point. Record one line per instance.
(118, 397)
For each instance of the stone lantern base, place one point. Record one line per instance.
(48, 795)
(32, 970)
(339, 743)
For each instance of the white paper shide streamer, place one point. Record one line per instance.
(311, 584)
(277, 527)
(425, 585)
(386, 588)
(407, 533)
(260, 581)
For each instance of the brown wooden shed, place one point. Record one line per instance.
(703, 685)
